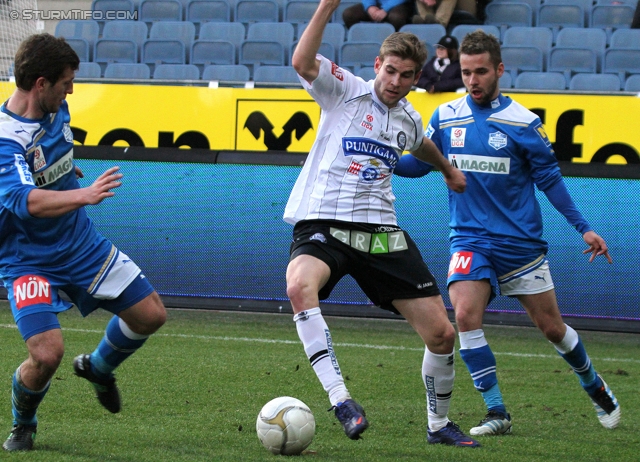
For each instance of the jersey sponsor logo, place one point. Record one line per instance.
(369, 147)
(336, 71)
(460, 263)
(369, 118)
(429, 131)
(497, 140)
(402, 140)
(39, 162)
(481, 164)
(63, 166)
(366, 125)
(542, 134)
(23, 169)
(371, 242)
(458, 135)
(68, 134)
(31, 290)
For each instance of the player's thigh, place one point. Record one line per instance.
(429, 319)
(543, 310)
(308, 270)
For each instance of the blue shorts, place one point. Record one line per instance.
(509, 268)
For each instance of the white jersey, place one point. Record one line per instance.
(347, 175)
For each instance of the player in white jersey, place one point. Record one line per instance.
(48, 243)
(345, 222)
(496, 226)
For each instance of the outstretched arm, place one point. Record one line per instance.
(44, 203)
(304, 57)
(429, 152)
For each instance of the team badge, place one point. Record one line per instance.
(68, 134)
(402, 140)
(497, 140)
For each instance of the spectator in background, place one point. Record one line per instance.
(442, 72)
(440, 11)
(395, 12)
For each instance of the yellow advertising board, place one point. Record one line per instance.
(582, 127)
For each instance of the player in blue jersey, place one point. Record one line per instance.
(496, 225)
(48, 243)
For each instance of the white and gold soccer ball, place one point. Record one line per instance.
(285, 426)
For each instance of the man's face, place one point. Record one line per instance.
(52, 95)
(480, 77)
(394, 79)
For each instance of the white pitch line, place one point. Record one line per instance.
(349, 345)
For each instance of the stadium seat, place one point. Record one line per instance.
(160, 51)
(508, 14)
(112, 5)
(88, 30)
(595, 82)
(337, 14)
(81, 47)
(334, 33)
(89, 71)
(130, 30)
(557, 16)
(248, 11)
(255, 53)
(632, 83)
(506, 81)
(326, 49)
(595, 39)
(430, 33)
(517, 58)
(461, 30)
(354, 55)
(540, 37)
(541, 81)
(282, 32)
(151, 11)
(109, 51)
(366, 73)
(233, 32)
(299, 11)
(369, 32)
(611, 17)
(572, 60)
(185, 31)
(176, 72)
(276, 74)
(127, 71)
(206, 52)
(229, 73)
(584, 4)
(201, 11)
(622, 62)
(534, 4)
(625, 38)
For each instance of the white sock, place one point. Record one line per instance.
(438, 375)
(316, 339)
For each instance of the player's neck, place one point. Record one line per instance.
(23, 104)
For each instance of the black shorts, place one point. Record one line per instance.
(383, 259)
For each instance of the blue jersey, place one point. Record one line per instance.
(39, 154)
(505, 153)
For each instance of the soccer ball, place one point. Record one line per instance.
(285, 426)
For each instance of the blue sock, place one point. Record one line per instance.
(482, 367)
(572, 351)
(119, 342)
(25, 402)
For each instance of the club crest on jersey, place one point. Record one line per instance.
(31, 290)
(68, 134)
(39, 162)
(372, 148)
(402, 140)
(458, 135)
(460, 263)
(497, 140)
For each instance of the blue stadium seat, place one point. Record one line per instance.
(299, 11)
(595, 82)
(579, 37)
(540, 37)
(632, 83)
(201, 11)
(89, 71)
(176, 72)
(461, 30)
(621, 61)
(131, 30)
(572, 60)
(185, 31)
(207, 52)
(517, 58)
(248, 11)
(625, 38)
(282, 32)
(256, 53)
(430, 33)
(508, 14)
(276, 74)
(611, 17)
(585, 5)
(151, 11)
(557, 16)
(367, 73)
(326, 49)
(88, 30)
(534, 4)
(337, 14)
(105, 6)
(229, 73)
(81, 47)
(506, 81)
(127, 71)
(109, 51)
(334, 33)
(160, 51)
(369, 32)
(234, 32)
(354, 55)
(541, 81)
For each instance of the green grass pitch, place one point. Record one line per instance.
(193, 393)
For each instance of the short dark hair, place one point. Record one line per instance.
(43, 55)
(405, 45)
(478, 42)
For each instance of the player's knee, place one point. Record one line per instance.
(47, 360)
